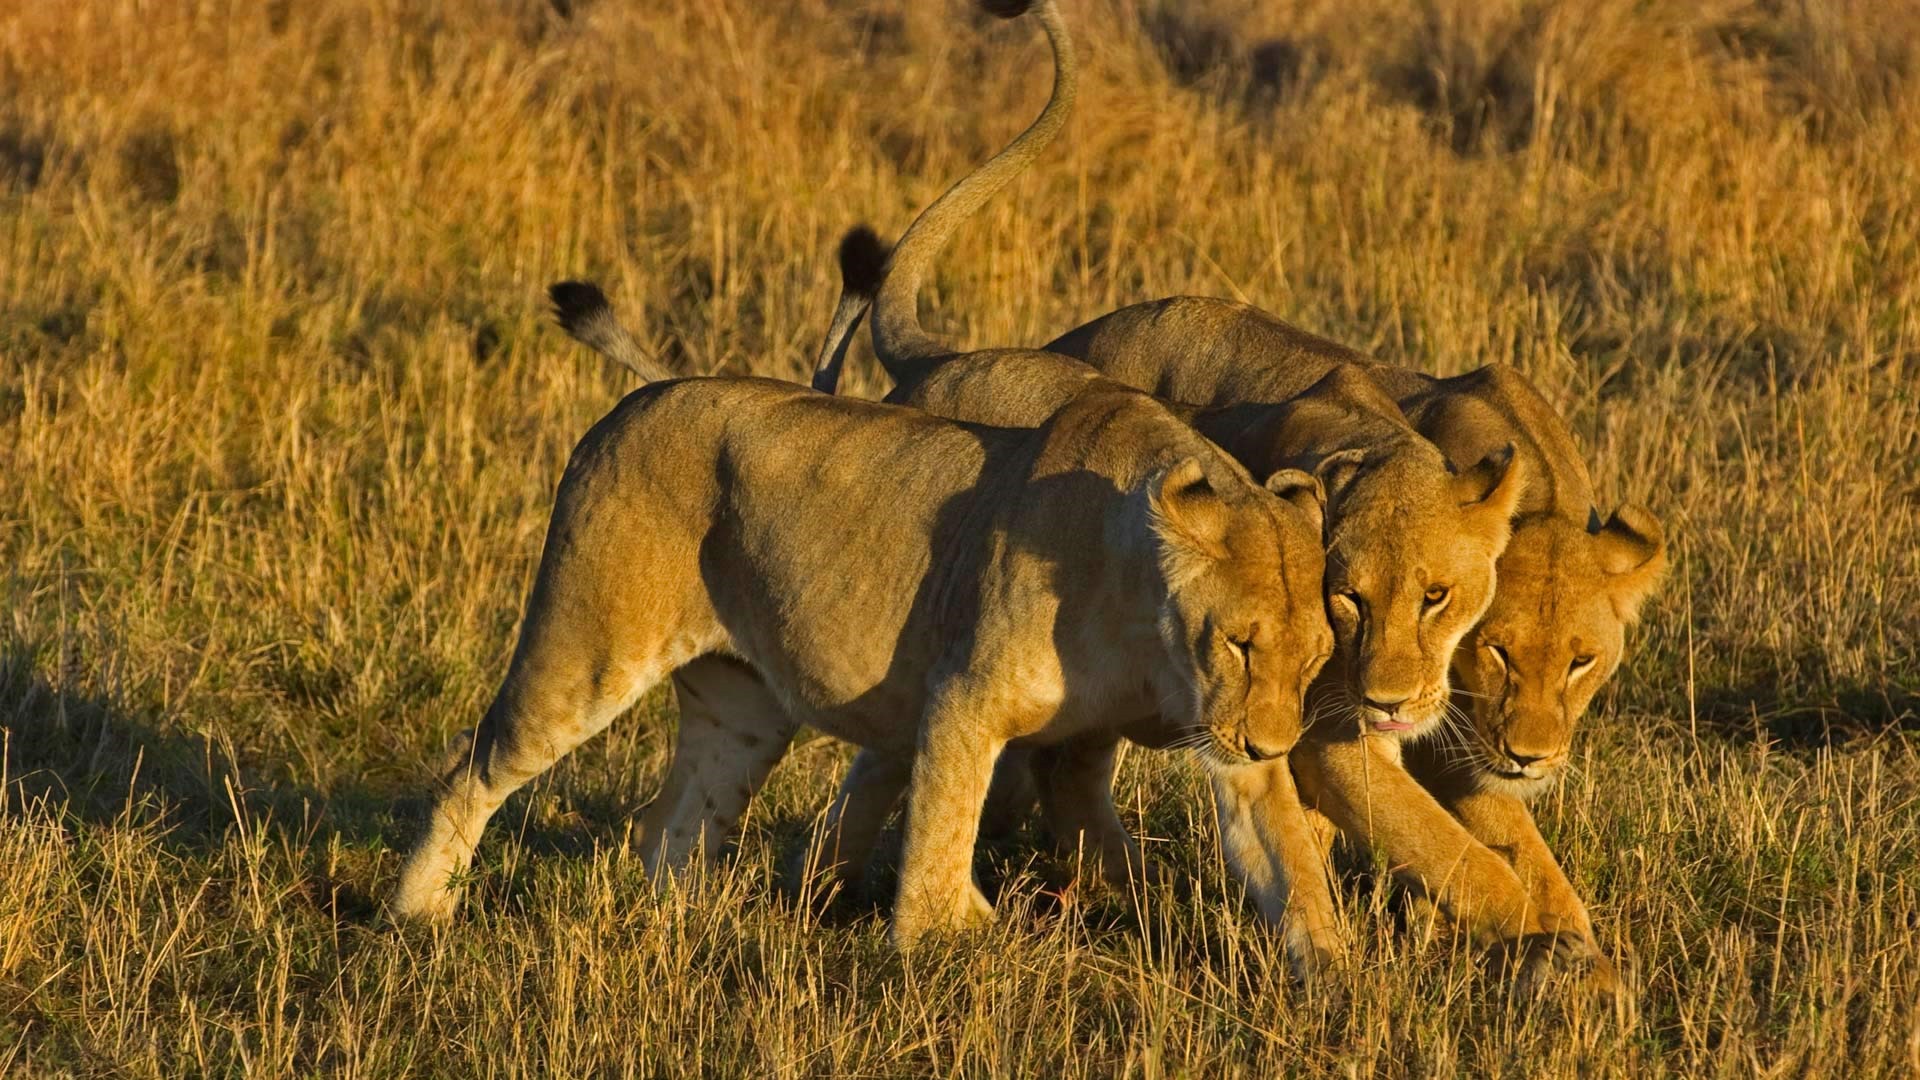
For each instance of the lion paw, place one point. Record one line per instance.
(1540, 955)
(916, 917)
(1134, 871)
(1313, 957)
(979, 911)
(1594, 975)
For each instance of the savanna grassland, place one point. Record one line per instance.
(281, 414)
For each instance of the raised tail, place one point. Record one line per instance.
(863, 263)
(582, 311)
(899, 340)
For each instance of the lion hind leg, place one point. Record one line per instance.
(546, 708)
(733, 731)
(849, 831)
(581, 661)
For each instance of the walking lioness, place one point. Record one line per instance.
(705, 526)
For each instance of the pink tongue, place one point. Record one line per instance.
(1392, 725)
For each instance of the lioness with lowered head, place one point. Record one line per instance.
(702, 527)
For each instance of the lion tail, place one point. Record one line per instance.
(863, 265)
(902, 344)
(583, 312)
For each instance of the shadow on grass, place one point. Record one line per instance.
(95, 762)
(1210, 52)
(1816, 708)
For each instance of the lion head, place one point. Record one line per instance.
(1551, 638)
(1241, 620)
(1411, 557)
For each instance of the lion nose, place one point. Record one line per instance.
(1256, 752)
(1385, 705)
(1523, 758)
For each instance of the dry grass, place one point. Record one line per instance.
(280, 418)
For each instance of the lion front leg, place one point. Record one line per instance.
(1365, 790)
(1279, 855)
(1012, 796)
(951, 772)
(1505, 824)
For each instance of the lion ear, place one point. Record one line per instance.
(1303, 491)
(1185, 504)
(1493, 483)
(1337, 472)
(1491, 489)
(1632, 551)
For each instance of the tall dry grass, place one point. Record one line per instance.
(280, 418)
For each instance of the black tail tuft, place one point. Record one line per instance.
(575, 303)
(1006, 9)
(863, 261)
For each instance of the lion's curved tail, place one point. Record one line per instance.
(901, 343)
(863, 262)
(582, 311)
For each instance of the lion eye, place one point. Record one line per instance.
(1437, 595)
(1242, 649)
(1499, 654)
(1580, 664)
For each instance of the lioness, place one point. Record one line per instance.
(702, 527)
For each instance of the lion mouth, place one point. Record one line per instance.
(1526, 774)
(1403, 723)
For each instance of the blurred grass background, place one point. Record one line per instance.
(281, 415)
